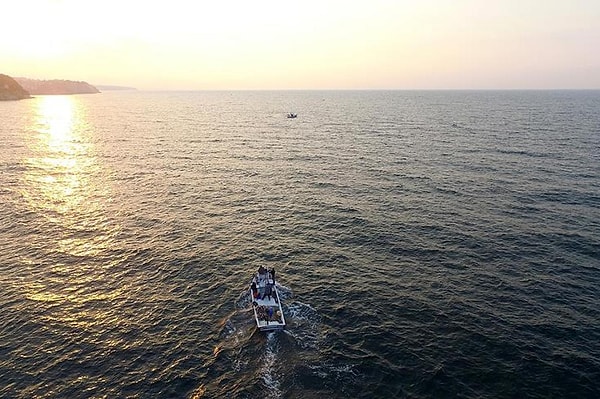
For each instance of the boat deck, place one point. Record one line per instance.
(268, 312)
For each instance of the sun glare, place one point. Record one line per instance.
(57, 166)
(61, 184)
(55, 119)
(185, 44)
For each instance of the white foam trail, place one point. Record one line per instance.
(268, 370)
(284, 291)
(302, 310)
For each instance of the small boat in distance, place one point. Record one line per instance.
(265, 301)
(291, 115)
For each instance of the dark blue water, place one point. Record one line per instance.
(427, 244)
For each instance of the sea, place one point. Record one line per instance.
(427, 244)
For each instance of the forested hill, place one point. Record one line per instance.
(56, 86)
(11, 90)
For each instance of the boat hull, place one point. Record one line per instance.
(268, 312)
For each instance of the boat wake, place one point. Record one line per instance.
(269, 362)
(243, 301)
(304, 325)
(250, 351)
(266, 360)
(284, 292)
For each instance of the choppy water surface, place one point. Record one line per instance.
(427, 244)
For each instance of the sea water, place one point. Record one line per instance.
(427, 244)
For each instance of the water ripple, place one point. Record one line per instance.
(428, 244)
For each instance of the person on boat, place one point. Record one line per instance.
(254, 289)
(270, 313)
(272, 271)
(267, 292)
(262, 274)
(265, 314)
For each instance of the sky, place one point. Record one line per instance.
(308, 44)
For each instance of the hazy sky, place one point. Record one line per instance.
(330, 44)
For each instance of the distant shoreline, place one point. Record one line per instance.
(113, 87)
(55, 86)
(357, 90)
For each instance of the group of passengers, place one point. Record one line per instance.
(268, 313)
(268, 277)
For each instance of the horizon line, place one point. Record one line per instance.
(132, 88)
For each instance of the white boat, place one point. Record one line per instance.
(266, 302)
(292, 115)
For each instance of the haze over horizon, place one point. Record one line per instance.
(379, 44)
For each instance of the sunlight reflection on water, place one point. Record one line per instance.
(57, 171)
(61, 185)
